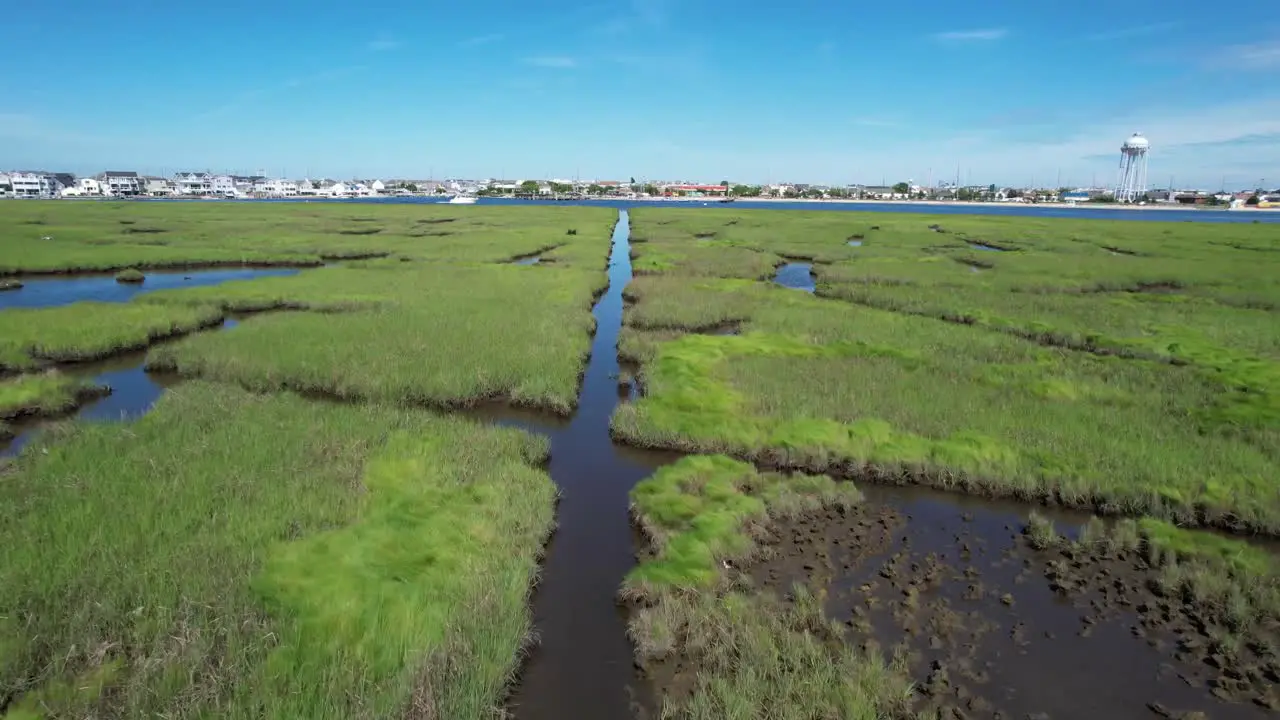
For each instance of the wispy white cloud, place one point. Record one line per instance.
(1132, 31)
(1255, 56)
(383, 45)
(479, 40)
(981, 35)
(17, 124)
(558, 62)
(875, 122)
(247, 99)
(25, 127)
(638, 14)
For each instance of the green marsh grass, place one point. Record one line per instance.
(704, 511)
(235, 555)
(49, 393)
(130, 276)
(820, 384)
(737, 654)
(105, 236)
(424, 334)
(92, 330)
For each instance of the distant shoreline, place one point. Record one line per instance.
(968, 203)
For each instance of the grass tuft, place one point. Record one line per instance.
(728, 654)
(705, 511)
(44, 394)
(131, 276)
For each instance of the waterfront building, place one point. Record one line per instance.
(193, 183)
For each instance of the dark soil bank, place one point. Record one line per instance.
(994, 628)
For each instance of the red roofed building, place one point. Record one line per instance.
(695, 189)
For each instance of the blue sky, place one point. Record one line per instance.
(746, 90)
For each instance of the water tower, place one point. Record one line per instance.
(1133, 169)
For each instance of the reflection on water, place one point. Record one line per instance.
(797, 276)
(54, 291)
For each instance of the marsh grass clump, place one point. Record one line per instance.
(705, 511)
(733, 652)
(571, 231)
(131, 276)
(85, 331)
(44, 394)
(1039, 531)
(741, 656)
(267, 556)
(524, 340)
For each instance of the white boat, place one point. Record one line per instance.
(462, 200)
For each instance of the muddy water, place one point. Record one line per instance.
(987, 248)
(951, 581)
(582, 667)
(797, 276)
(55, 291)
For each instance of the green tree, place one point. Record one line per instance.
(902, 188)
(651, 189)
(594, 189)
(529, 186)
(724, 183)
(411, 187)
(1253, 200)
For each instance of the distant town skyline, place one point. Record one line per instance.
(1004, 93)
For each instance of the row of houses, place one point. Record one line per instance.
(115, 183)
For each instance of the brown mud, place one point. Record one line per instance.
(993, 628)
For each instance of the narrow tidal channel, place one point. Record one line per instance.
(582, 666)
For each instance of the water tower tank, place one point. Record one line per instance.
(1136, 142)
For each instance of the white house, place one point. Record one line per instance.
(223, 185)
(377, 186)
(193, 183)
(284, 188)
(26, 185)
(90, 186)
(119, 183)
(5, 185)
